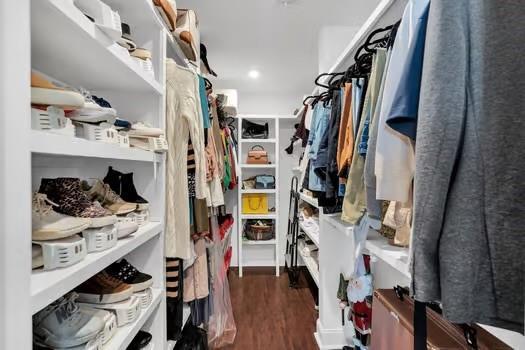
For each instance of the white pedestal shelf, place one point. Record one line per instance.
(259, 248)
(80, 53)
(314, 236)
(396, 257)
(47, 286)
(43, 142)
(125, 335)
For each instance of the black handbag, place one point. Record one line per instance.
(251, 130)
(264, 182)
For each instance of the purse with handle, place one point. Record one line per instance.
(264, 182)
(254, 203)
(257, 155)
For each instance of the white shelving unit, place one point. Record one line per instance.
(390, 264)
(246, 170)
(55, 38)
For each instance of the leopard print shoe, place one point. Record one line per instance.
(71, 200)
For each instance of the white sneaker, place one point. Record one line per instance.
(65, 324)
(125, 228)
(93, 113)
(141, 129)
(48, 224)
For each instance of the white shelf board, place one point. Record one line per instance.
(397, 257)
(313, 236)
(43, 142)
(67, 46)
(312, 267)
(309, 199)
(267, 242)
(257, 166)
(272, 190)
(258, 140)
(338, 224)
(125, 334)
(258, 216)
(47, 286)
(186, 313)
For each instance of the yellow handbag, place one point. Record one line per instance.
(255, 203)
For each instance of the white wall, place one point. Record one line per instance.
(250, 103)
(332, 42)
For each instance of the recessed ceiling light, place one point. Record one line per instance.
(254, 74)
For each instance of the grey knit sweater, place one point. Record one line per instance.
(469, 216)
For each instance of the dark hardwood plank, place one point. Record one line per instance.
(269, 315)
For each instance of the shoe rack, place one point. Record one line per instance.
(53, 37)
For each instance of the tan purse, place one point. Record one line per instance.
(257, 155)
(187, 34)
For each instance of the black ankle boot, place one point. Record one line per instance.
(113, 179)
(252, 130)
(123, 185)
(129, 192)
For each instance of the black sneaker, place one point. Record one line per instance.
(128, 274)
(123, 185)
(141, 340)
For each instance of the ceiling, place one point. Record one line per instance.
(281, 42)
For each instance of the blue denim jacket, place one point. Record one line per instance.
(319, 125)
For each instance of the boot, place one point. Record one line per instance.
(252, 130)
(124, 186)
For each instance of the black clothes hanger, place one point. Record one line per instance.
(207, 84)
(331, 75)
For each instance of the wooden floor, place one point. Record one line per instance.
(269, 315)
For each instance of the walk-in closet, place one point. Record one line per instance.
(253, 175)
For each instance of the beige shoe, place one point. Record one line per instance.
(44, 92)
(48, 224)
(102, 193)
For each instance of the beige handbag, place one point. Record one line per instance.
(187, 34)
(257, 155)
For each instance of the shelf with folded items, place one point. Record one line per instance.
(314, 236)
(66, 45)
(47, 143)
(125, 334)
(396, 257)
(47, 286)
